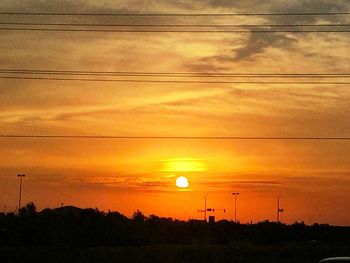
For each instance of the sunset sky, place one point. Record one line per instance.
(312, 176)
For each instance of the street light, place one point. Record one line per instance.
(20, 189)
(235, 194)
(205, 208)
(279, 210)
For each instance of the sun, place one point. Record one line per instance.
(182, 182)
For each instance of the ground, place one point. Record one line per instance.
(239, 253)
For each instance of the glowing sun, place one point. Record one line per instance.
(182, 182)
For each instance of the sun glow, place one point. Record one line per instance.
(182, 182)
(184, 165)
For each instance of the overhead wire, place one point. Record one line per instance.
(304, 138)
(172, 25)
(25, 72)
(176, 81)
(172, 77)
(169, 31)
(173, 74)
(170, 28)
(175, 14)
(44, 71)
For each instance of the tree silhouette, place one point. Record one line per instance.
(71, 226)
(28, 210)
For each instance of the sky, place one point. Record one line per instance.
(312, 177)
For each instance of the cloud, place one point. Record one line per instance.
(225, 111)
(58, 6)
(310, 6)
(257, 43)
(286, 182)
(128, 182)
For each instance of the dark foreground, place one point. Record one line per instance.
(71, 234)
(177, 253)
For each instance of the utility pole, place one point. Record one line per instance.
(279, 210)
(235, 194)
(205, 209)
(20, 189)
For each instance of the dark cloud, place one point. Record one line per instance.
(244, 6)
(258, 42)
(63, 6)
(105, 7)
(310, 6)
(255, 44)
(283, 6)
(209, 64)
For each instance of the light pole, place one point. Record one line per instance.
(235, 194)
(20, 189)
(205, 208)
(279, 210)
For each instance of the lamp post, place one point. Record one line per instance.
(20, 189)
(205, 208)
(235, 194)
(279, 210)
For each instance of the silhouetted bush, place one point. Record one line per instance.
(75, 227)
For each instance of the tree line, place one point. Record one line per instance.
(76, 227)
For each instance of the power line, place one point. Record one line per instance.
(147, 73)
(174, 25)
(173, 14)
(191, 76)
(171, 74)
(24, 136)
(169, 31)
(175, 81)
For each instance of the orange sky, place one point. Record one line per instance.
(313, 177)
